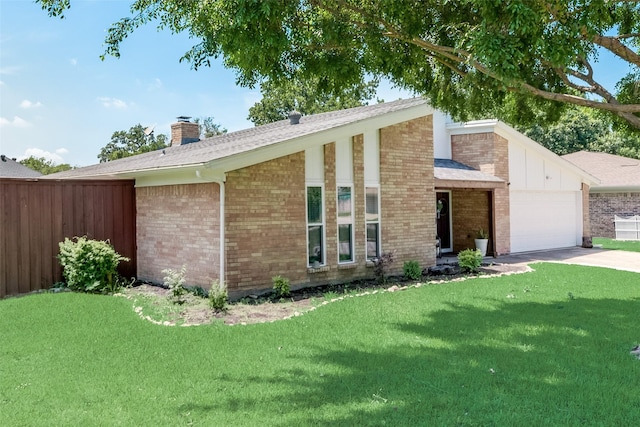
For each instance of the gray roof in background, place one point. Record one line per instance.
(243, 141)
(451, 170)
(612, 171)
(9, 168)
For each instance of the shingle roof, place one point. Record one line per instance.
(446, 169)
(613, 171)
(9, 168)
(243, 141)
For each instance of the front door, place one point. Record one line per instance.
(443, 220)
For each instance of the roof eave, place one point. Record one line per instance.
(301, 143)
(465, 183)
(615, 189)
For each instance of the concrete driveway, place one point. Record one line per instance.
(619, 260)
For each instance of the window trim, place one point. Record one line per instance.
(322, 224)
(351, 223)
(367, 222)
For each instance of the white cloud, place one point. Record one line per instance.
(62, 151)
(73, 61)
(17, 122)
(10, 70)
(28, 104)
(1, 83)
(113, 102)
(39, 152)
(156, 84)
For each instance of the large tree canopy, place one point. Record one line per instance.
(208, 127)
(469, 57)
(581, 129)
(44, 166)
(279, 99)
(128, 143)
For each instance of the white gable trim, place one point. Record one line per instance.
(512, 135)
(302, 143)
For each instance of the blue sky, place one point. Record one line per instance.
(58, 100)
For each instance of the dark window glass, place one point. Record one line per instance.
(345, 246)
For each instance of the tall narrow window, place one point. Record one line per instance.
(372, 218)
(345, 224)
(315, 226)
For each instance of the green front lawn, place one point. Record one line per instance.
(547, 348)
(623, 245)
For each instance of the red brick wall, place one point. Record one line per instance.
(179, 225)
(268, 200)
(489, 153)
(470, 212)
(604, 206)
(265, 216)
(407, 192)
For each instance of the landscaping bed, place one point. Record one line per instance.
(153, 303)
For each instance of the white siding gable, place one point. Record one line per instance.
(441, 138)
(314, 165)
(371, 158)
(344, 161)
(531, 169)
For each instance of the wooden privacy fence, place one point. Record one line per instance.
(37, 214)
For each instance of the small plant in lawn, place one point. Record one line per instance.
(90, 265)
(470, 260)
(412, 270)
(197, 291)
(281, 286)
(330, 295)
(380, 266)
(218, 295)
(175, 280)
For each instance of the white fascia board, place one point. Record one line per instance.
(510, 134)
(192, 174)
(301, 143)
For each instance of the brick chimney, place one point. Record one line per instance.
(184, 131)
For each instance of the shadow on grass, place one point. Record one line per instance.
(515, 363)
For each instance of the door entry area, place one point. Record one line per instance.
(443, 220)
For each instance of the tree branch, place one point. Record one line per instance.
(463, 57)
(614, 45)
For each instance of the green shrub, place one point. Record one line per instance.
(380, 266)
(470, 260)
(412, 270)
(175, 280)
(218, 295)
(197, 291)
(281, 286)
(90, 265)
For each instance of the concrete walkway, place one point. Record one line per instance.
(619, 260)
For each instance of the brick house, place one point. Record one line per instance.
(618, 192)
(318, 200)
(525, 195)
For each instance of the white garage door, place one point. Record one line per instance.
(545, 220)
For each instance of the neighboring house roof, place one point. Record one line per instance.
(616, 173)
(450, 170)
(9, 168)
(250, 146)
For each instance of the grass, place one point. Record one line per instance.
(623, 245)
(546, 348)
